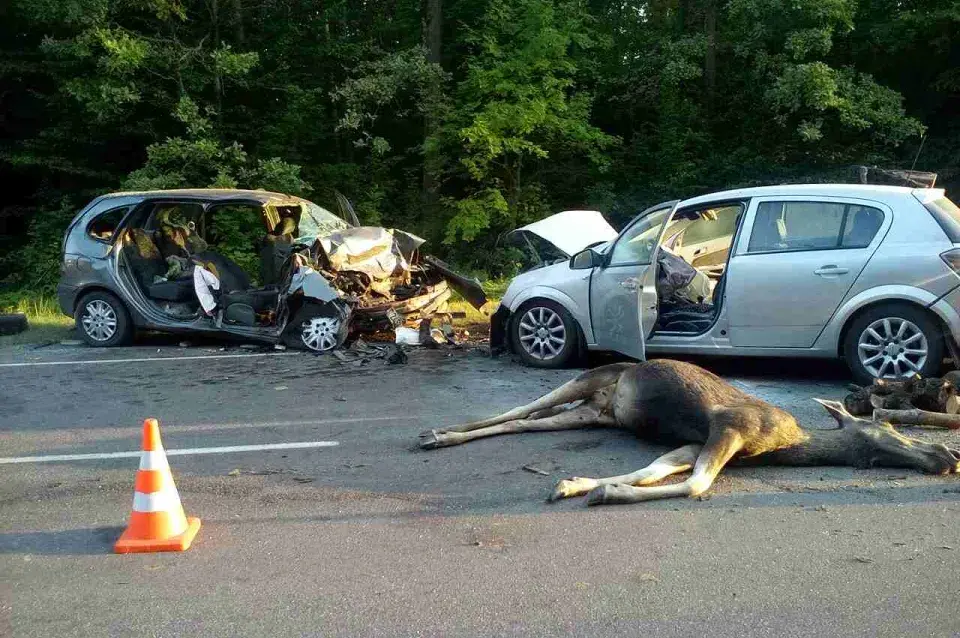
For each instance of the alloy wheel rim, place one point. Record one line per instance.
(99, 320)
(542, 334)
(892, 348)
(320, 333)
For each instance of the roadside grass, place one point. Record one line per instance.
(477, 322)
(46, 324)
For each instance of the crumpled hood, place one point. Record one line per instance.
(372, 250)
(572, 230)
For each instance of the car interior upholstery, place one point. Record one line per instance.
(678, 314)
(151, 254)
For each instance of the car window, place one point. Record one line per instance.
(793, 226)
(236, 232)
(947, 215)
(317, 221)
(861, 226)
(712, 225)
(178, 215)
(103, 226)
(637, 243)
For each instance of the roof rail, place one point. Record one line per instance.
(895, 177)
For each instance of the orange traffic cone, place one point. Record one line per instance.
(157, 523)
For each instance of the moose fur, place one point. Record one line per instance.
(712, 421)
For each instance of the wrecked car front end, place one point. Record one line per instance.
(387, 283)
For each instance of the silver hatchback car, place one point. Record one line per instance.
(867, 273)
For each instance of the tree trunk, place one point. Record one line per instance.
(239, 34)
(217, 79)
(710, 62)
(433, 42)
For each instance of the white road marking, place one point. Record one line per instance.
(73, 436)
(28, 364)
(194, 450)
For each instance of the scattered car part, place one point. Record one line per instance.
(13, 324)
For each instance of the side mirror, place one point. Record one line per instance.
(586, 259)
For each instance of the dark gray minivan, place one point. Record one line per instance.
(128, 263)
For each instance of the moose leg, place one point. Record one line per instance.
(680, 460)
(582, 416)
(581, 387)
(717, 451)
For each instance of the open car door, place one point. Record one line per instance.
(623, 291)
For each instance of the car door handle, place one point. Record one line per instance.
(630, 284)
(826, 271)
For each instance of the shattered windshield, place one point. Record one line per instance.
(317, 221)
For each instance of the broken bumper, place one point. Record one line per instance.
(499, 342)
(377, 318)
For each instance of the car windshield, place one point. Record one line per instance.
(317, 221)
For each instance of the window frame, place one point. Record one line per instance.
(743, 246)
(119, 226)
(150, 225)
(667, 207)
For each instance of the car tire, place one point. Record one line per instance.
(536, 335)
(906, 339)
(13, 324)
(103, 321)
(318, 327)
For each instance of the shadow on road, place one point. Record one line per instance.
(71, 542)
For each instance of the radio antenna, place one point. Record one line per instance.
(923, 138)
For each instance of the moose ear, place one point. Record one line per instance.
(835, 408)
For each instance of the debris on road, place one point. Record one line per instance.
(931, 395)
(915, 401)
(13, 324)
(918, 417)
(535, 470)
(361, 353)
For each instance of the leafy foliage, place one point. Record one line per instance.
(461, 120)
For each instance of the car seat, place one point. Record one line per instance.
(695, 318)
(866, 223)
(275, 250)
(148, 265)
(176, 240)
(698, 318)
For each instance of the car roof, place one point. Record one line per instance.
(206, 194)
(862, 191)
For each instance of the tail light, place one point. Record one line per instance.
(952, 259)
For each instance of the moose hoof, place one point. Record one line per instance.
(598, 495)
(571, 487)
(432, 439)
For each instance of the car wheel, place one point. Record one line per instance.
(544, 334)
(103, 321)
(893, 341)
(318, 328)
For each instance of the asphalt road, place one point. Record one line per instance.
(374, 537)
